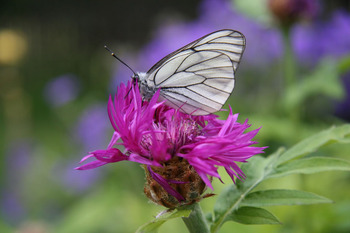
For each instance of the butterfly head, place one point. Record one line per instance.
(139, 77)
(146, 90)
(135, 78)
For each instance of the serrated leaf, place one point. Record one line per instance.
(154, 225)
(282, 197)
(253, 215)
(311, 144)
(311, 165)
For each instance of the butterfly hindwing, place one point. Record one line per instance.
(199, 77)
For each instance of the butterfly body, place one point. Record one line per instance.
(198, 78)
(147, 89)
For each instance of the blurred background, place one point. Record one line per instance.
(55, 79)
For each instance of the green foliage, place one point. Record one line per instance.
(311, 144)
(323, 80)
(259, 169)
(252, 215)
(344, 65)
(157, 222)
(241, 204)
(282, 197)
(311, 165)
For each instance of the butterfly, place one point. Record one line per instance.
(198, 78)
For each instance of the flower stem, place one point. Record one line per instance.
(196, 222)
(290, 71)
(289, 60)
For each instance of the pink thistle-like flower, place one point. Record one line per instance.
(180, 152)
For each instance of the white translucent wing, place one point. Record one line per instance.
(199, 77)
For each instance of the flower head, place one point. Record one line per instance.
(181, 153)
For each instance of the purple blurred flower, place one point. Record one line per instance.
(311, 42)
(169, 38)
(92, 127)
(61, 90)
(338, 29)
(173, 146)
(18, 154)
(72, 180)
(322, 39)
(213, 15)
(17, 162)
(12, 208)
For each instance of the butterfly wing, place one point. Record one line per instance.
(199, 77)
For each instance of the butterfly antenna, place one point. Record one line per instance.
(115, 56)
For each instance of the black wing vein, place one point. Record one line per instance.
(201, 62)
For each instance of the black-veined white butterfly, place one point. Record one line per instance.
(197, 78)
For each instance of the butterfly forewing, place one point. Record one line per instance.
(199, 77)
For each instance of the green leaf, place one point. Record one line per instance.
(153, 226)
(209, 217)
(344, 65)
(230, 198)
(259, 168)
(282, 197)
(311, 165)
(253, 215)
(324, 80)
(311, 144)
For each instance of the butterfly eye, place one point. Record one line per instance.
(135, 78)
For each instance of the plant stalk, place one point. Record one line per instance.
(196, 222)
(289, 59)
(290, 71)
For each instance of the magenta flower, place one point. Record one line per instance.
(181, 153)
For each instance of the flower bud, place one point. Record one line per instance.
(290, 11)
(182, 178)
